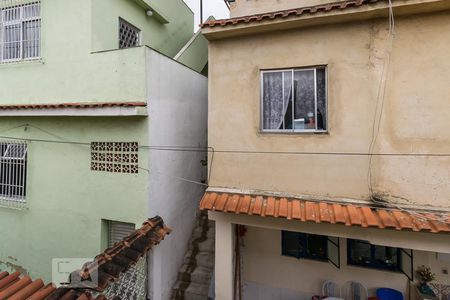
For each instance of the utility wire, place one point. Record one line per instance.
(177, 177)
(213, 150)
(441, 218)
(381, 94)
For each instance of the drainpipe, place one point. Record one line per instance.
(201, 11)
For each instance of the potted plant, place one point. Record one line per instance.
(425, 276)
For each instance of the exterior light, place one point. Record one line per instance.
(149, 13)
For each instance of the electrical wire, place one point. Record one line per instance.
(212, 150)
(442, 218)
(177, 177)
(381, 95)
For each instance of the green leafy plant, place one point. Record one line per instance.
(424, 274)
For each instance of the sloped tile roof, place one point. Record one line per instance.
(283, 14)
(109, 265)
(72, 105)
(326, 212)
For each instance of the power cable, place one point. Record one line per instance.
(212, 150)
(381, 94)
(177, 177)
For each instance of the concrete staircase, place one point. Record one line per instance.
(194, 277)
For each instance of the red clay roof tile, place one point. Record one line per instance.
(326, 212)
(283, 14)
(72, 105)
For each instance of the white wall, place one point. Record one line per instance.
(177, 103)
(269, 275)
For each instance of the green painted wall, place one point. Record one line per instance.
(70, 72)
(195, 55)
(166, 38)
(67, 201)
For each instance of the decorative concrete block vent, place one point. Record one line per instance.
(115, 157)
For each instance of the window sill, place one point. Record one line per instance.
(374, 268)
(307, 258)
(303, 132)
(13, 204)
(25, 62)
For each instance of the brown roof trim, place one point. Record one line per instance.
(283, 14)
(347, 214)
(109, 265)
(72, 105)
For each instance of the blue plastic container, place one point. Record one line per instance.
(389, 294)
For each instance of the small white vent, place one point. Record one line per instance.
(118, 231)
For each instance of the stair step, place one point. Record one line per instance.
(195, 275)
(202, 258)
(200, 274)
(203, 245)
(194, 291)
(198, 231)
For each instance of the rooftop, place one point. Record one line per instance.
(283, 14)
(347, 214)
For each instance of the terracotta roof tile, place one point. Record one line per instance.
(109, 266)
(326, 212)
(72, 105)
(282, 14)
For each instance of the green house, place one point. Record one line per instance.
(95, 96)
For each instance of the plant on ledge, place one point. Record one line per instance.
(425, 276)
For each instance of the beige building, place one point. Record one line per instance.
(328, 125)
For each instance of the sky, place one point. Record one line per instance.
(216, 8)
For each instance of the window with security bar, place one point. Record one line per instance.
(129, 35)
(20, 32)
(13, 170)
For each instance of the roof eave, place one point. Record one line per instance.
(365, 12)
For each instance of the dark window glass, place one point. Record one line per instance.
(363, 253)
(302, 245)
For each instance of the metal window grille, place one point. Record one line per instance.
(20, 32)
(129, 35)
(13, 171)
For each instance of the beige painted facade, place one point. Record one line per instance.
(294, 276)
(395, 97)
(266, 274)
(414, 119)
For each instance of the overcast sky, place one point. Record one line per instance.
(216, 8)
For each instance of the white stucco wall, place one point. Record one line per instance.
(269, 275)
(177, 104)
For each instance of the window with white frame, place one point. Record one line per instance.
(129, 35)
(294, 100)
(13, 170)
(20, 32)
